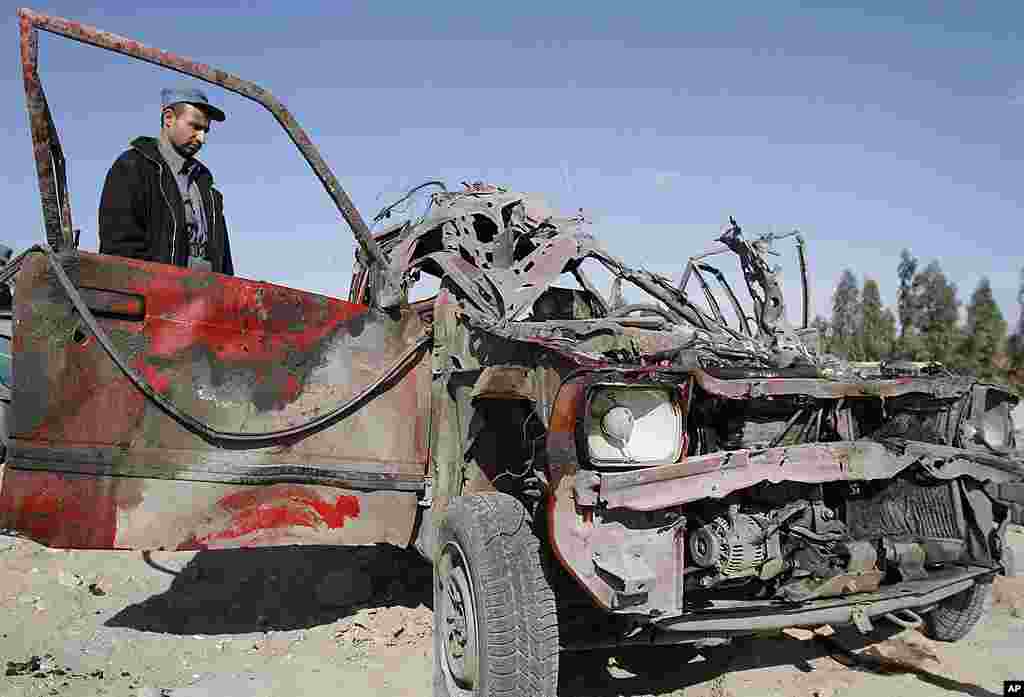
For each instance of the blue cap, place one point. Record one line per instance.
(191, 95)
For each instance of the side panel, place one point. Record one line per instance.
(239, 356)
(76, 511)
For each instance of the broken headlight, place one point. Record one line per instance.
(996, 429)
(991, 422)
(633, 425)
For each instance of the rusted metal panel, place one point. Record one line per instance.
(88, 512)
(473, 368)
(829, 389)
(591, 546)
(233, 353)
(236, 353)
(505, 382)
(717, 475)
(49, 157)
(570, 527)
(836, 611)
(72, 511)
(988, 466)
(447, 440)
(237, 467)
(647, 563)
(113, 303)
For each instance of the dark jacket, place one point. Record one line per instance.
(142, 215)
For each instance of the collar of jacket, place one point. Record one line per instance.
(150, 149)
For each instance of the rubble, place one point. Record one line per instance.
(798, 633)
(391, 627)
(23, 668)
(46, 666)
(1008, 593)
(907, 651)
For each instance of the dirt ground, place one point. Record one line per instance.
(310, 621)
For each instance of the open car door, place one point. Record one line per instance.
(156, 407)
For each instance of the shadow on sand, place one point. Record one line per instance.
(278, 589)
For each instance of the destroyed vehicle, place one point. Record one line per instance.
(558, 453)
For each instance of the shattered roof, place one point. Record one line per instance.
(503, 250)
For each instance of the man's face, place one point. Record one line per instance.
(186, 131)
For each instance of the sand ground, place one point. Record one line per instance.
(318, 621)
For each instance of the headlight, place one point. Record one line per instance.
(633, 425)
(995, 427)
(991, 424)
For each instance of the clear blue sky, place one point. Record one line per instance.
(870, 130)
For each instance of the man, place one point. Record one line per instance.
(158, 201)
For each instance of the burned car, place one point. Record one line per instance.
(582, 468)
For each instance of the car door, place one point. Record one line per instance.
(95, 462)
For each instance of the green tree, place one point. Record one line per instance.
(985, 334)
(877, 324)
(909, 345)
(935, 310)
(889, 340)
(846, 318)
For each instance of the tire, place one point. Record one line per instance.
(495, 620)
(957, 615)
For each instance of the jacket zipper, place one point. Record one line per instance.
(208, 211)
(170, 208)
(174, 220)
(224, 242)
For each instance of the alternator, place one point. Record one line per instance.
(736, 547)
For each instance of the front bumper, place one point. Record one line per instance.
(716, 627)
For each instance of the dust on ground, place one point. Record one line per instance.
(298, 621)
(230, 623)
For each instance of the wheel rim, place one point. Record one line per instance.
(458, 627)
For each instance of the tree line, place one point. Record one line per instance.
(926, 325)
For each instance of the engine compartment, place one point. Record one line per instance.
(787, 543)
(784, 499)
(793, 542)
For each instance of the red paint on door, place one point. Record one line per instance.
(277, 508)
(65, 511)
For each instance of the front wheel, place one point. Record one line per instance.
(957, 615)
(495, 621)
